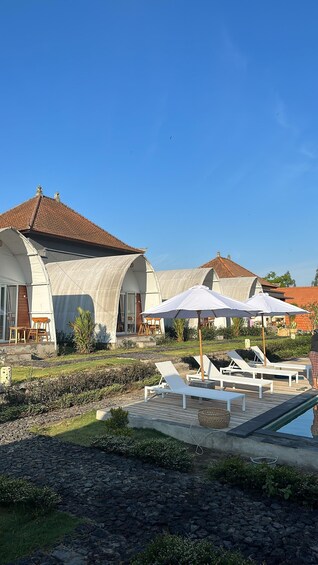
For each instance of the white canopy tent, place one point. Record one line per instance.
(96, 285)
(21, 265)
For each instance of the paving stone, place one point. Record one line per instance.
(127, 503)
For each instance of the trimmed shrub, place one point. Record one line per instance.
(21, 493)
(280, 481)
(118, 422)
(175, 550)
(44, 395)
(164, 452)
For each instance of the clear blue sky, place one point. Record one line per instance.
(187, 127)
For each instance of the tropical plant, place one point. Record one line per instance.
(237, 326)
(83, 328)
(179, 325)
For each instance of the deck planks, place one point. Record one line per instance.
(170, 407)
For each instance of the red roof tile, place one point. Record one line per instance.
(44, 215)
(226, 268)
(301, 296)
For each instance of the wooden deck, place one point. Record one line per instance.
(170, 408)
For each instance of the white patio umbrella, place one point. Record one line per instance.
(269, 306)
(199, 301)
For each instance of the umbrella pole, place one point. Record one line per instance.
(263, 337)
(200, 343)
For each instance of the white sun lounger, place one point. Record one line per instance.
(178, 386)
(238, 365)
(259, 358)
(213, 374)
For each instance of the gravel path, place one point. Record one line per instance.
(127, 503)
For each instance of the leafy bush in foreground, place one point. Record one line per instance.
(175, 550)
(165, 452)
(39, 500)
(280, 481)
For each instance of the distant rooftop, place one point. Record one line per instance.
(226, 268)
(49, 216)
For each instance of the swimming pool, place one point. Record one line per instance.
(302, 421)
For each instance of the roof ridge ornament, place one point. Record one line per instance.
(39, 191)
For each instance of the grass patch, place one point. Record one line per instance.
(80, 430)
(20, 374)
(84, 429)
(21, 534)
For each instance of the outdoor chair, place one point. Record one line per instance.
(39, 330)
(213, 374)
(260, 358)
(238, 365)
(176, 385)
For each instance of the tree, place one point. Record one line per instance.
(280, 280)
(315, 281)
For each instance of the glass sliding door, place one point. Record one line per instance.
(131, 313)
(11, 308)
(2, 312)
(126, 319)
(8, 309)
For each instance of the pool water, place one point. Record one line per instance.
(301, 422)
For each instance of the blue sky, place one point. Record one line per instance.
(187, 127)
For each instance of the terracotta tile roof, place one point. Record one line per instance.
(226, 268)
(44, 215)
(301, 296)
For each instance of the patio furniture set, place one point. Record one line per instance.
(23, 334)
(234, 375)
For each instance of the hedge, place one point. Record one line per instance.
(45, 395)
(165, 452)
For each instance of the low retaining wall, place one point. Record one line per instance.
(302, 456)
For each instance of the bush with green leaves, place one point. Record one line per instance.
(279, 481)
(164, 452)
(83, 329)
(41, 396)
(118, 422)
(21, 493)
(175, 550)
(286, 348)
(208, 334)
(227, 332)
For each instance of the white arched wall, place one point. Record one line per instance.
(95, 284)
(20, 264)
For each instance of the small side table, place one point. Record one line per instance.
(17, 334)
(200, 383)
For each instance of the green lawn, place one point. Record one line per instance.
(20, 374)
(82, 430)
(21, 535)
(72, 363)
